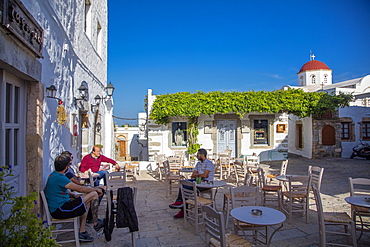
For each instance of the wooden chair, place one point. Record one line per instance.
(215, 232)
(239, 171)
(51, 221)
(175, 164)
(283, 168)
(116, 180)
(246, 196)
(328, 219)
(316, 174)
(159, 159)
(360, 187)
(227, 198)
(268, 191)
(224, 165)
(171, 177)
(296, 199)
(192, 204)
(112, 210)
(252, 160)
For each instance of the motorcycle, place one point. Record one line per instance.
(361, 150)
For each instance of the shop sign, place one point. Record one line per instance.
(20, 25)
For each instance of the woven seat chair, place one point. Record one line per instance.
(268, 191)
(192, 204)
(227, 198)
(329, 219)
(360, 187)
(296, 199)
(52, 222)
(215, 232)
(283, 168)
(171, 177)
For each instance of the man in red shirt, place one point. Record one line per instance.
(93, 161)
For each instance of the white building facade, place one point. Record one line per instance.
(263, 134)
(131, 142)
(333, 134)
(59, 45)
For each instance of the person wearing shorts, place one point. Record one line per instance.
(60, 204)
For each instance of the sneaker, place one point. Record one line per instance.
(91, 221)
(179, 215)
(99, 226)
(177, 204)
(85, 237)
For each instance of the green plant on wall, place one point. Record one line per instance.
(291, 101)
(22, 226)
(193, 132)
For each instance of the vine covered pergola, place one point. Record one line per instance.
(291, 101)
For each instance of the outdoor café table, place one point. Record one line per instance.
(269, 217)
(187, 170)
(360, 202)
(284, 178)
(255, 167)
(213, 185)
(85, 177)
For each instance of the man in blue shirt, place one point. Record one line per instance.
(60, 204)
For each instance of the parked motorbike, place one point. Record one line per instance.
(361, 150)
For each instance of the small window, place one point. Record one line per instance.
(299, 135)
(325, 79)
(99, 35)
(346, 131)
(328, 135)
(365, 130)
(87, 17)
(313, 79)
(179, 134)
(261, 134)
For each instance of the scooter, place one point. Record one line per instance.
(361, 150)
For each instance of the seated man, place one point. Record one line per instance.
(204, 169)
(70, 172)
(60, 205)
(93, 161)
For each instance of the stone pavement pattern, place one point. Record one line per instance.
(158, 227)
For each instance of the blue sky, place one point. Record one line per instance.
(229, 45)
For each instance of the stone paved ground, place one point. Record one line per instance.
(159, 228)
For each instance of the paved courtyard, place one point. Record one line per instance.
(159, 228)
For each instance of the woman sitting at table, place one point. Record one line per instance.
(204, 169)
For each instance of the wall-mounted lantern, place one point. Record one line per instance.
(97, 100)
(84, 93)
(109, 89)
(51, 92)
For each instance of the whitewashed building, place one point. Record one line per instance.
(264, 134)
(131, 142)
(60, 46)
(332, 134)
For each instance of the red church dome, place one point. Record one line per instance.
(314, 65)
